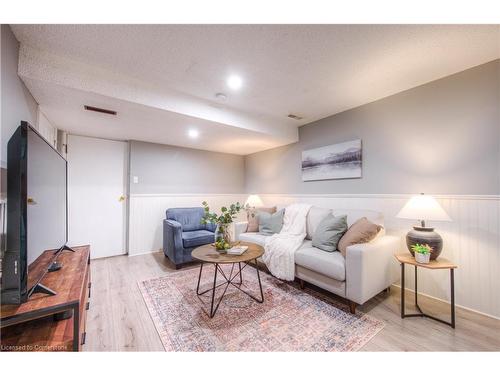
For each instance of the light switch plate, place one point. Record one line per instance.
(136, 179)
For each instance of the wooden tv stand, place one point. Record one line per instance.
(31, 326)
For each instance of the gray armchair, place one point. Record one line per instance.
(183, 231)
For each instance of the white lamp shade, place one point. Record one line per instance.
(254, 201)
(423, 207)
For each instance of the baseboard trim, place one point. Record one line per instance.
(445, 301)
(146, 252)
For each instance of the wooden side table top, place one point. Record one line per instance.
(439, 263)
(207, 253)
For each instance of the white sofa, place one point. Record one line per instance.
(362, 274)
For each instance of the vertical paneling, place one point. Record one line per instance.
(472, 240)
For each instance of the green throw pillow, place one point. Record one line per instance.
(329, 231)
(270, 224)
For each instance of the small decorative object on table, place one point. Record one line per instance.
(424, 207)
(237, 250)
(422, 253)
(223, 222)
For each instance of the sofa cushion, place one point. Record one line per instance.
(253, 218)
(197, 238)
(270, 224)
(362, 231)
(330, 264)
(329, 231)
(255, 238)
(189, 218)
(314, 217)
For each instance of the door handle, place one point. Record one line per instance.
(31, 200)
(122, 198)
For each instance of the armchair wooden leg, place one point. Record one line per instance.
(352, 307)
(301, 283)
(178, 266)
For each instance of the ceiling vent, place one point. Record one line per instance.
(100, 110)
(295, 117)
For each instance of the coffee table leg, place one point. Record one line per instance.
(241, 275)
(212, 312)
(260, 284)
(199, 278)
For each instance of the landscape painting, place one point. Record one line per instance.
(338, 161)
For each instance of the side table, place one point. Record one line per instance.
(437, 264)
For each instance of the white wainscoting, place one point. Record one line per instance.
(147, 212)
(472, 240)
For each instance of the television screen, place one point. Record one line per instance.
(36, 212)
(46, 197)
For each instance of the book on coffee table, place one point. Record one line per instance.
(237, 250)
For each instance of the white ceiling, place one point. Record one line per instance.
(162, 78)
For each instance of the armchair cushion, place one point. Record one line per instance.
(197, 238)
(189, 218)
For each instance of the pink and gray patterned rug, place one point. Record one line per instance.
(290, 319)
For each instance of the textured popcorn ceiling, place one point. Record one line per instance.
(163, 77)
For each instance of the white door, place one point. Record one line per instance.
(97, 176)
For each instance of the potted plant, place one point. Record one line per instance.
(422, 253)
(223, 222)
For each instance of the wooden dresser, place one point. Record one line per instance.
(32, 327)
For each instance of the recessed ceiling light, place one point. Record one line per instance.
(234, 82)
(193, 133)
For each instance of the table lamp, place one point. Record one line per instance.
(253, 201)
(424, 207)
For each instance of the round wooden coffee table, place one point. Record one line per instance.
(208, 254)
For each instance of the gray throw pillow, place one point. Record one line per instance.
(329, 231)
(270, 224)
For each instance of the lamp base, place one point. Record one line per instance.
(425, 236)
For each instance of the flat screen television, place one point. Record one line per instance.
(36, 214)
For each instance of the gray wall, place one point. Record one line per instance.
(163, 169)
(440, 138)
(17, 102)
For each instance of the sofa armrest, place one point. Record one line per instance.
(172, 240)
(369, 268)
(239, 228)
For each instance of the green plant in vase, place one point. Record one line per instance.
(223, 221)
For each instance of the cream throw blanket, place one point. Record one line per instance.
(280, 248)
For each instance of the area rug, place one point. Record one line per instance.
(290, 319)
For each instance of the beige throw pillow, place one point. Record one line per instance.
(253, 217)
(361, 231)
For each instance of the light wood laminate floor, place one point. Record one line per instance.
(118, 319)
